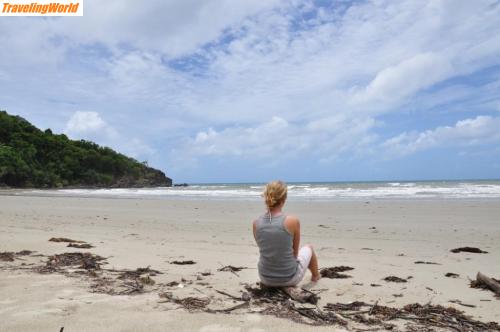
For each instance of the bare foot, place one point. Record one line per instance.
(315, 278)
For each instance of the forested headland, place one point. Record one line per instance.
(30, 157)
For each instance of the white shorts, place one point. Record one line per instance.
(303, 260)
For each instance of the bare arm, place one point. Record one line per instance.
(292, 225)
(254, 226)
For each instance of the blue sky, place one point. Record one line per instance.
(244, 91)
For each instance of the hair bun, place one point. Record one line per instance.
(275, 193)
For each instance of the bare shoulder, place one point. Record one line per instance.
(292, 221)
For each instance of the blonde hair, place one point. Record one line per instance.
(275, 193)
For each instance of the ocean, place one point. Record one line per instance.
(318, 191)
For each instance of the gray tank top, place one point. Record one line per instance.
(277, 263)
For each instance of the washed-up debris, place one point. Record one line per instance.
(429, 263)
(277, 303)
(189, 303)
(134, 274)
(232, 269)
(172, 284)
(469, 249)
(462, 304)
(8, 256)
(80, 245)
(484, 282)
(353, 306)
(187, 262)
(64, 239)
(451, 275)
(394, 279)
(333, 272)
(375, 285)
(323, 226)
(24, 252)
(85, 261)
(229, 295)
(423, 317)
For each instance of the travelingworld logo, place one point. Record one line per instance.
(41, 8)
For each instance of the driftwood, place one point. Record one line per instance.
(232, 269)
(483, 281)
(64, 239)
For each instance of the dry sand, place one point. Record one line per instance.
(134, 233)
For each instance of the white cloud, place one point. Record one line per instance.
(279, 140)
(465, 133)
(90, 126)
(406, 78)
(84, 122)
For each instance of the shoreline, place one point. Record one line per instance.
(134, 233)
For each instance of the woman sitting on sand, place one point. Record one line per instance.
(281, 262)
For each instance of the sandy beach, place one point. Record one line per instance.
(377, 238)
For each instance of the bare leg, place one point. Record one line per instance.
(313, 265)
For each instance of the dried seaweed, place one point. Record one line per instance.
(7, 256)
(333, 272)
(64, 239)
(190, 303)
(451, 275)
(137, 273)
(24, 252)
(187, 262)
(277, 303)
(424, 317)
(80, 245)
(429, 263)
(469, 249)
(394, 279)
(85, 261)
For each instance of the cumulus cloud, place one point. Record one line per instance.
(279, 138)
(90, 126)
(84, 122)
(465, 133)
